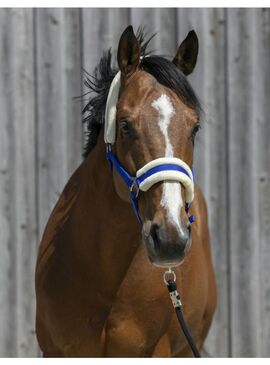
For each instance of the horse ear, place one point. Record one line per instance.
(186, 56)
(129, 51)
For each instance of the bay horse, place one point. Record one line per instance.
(99, 286)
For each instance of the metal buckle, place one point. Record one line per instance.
(167, 273)
(108, 147)
(134, 185)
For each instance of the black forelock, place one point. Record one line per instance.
(164, 71)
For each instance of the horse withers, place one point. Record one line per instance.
(99, 283)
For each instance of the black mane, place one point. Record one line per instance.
(99, 83)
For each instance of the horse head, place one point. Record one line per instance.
(157, 118)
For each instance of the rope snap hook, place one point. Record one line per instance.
(167, 274)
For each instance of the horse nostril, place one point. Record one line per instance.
(155, 234)
(163, 238)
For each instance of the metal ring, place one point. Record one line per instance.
(168, 272)
(134, 185)
(108, 147)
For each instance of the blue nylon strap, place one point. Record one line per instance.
(191, 218)
(134, 201)
(159, 168)
(120, 169)
(129, 180)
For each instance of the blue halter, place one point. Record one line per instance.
(134, 183)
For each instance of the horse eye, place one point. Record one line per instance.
(195, 130)
(125, 127)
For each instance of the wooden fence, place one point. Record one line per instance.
(42, 52)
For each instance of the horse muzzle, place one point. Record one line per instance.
(166, 246)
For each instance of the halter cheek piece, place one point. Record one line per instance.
(158, 170)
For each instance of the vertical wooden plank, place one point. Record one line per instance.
(147, 18)
(58, 52)
(208, 81)
(18, 224)
(262, 38)
(246, 103)
(7, 292)
(167, 25)
(102, 29)
(161, 21)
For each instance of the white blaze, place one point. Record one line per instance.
(171, 198)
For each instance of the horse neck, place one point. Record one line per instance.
(107, 232)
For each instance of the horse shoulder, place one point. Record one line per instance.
(60, 214)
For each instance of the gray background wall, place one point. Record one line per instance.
(42, 52)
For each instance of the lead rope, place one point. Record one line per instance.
(175, 297)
